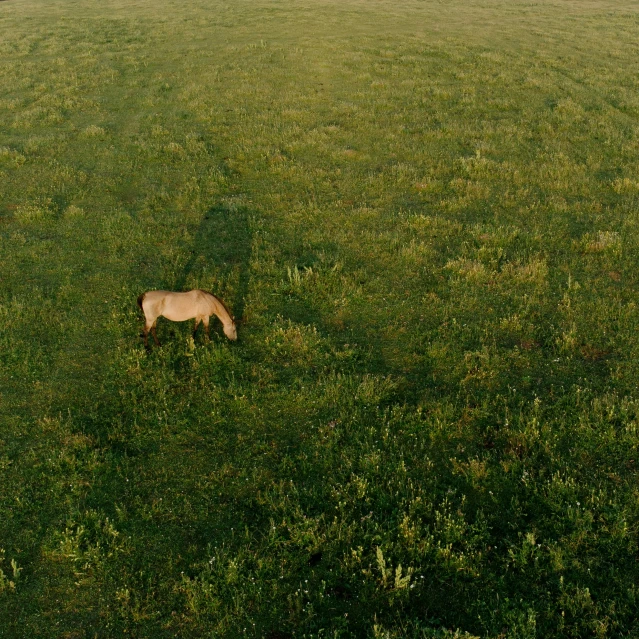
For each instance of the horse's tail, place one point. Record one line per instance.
(140, 300)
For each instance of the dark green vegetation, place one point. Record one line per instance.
(427, 215)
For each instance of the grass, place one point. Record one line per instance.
(425, 214)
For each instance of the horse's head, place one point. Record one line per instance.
(230, 330)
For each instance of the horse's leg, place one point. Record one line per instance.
(147, 327)
(197, 323)
(155, 337)
(206, 327)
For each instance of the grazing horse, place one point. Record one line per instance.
(179, 307)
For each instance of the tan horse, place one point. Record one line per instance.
(179, 307)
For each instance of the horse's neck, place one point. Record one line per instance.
(220, 311)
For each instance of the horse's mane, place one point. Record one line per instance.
(222, 304)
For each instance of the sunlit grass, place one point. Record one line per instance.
(425, 215)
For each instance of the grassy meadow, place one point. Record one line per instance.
(426, 214)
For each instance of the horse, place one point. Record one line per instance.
(179, 307)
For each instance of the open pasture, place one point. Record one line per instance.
(427, 216)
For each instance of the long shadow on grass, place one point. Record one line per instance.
(223, 244)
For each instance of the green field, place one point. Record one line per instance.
(426, 214)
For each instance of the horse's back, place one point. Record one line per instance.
(183, 306)
(153, 297)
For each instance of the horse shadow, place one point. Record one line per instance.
(220, 255)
